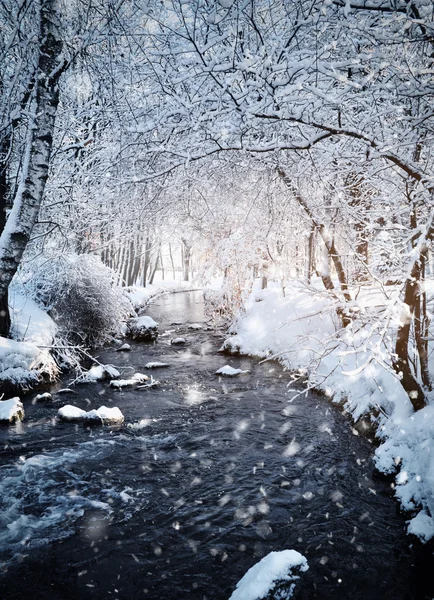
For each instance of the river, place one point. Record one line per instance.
(206, 476)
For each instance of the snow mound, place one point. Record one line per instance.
(11, 410)
(195, 326)
(29, 322)
(409, 443)
(105, 415)
(229, 371)
(23, 363)
(156, 365)
(272, 574)
(178, 341)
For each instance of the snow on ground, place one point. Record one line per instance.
(26, 359)
(352, 366)
(265, 575)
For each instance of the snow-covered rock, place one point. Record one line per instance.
(11, 410)
(178, 341)
(195, 326)
(71, 413)
(142, 329)
(99, 373)
(156, 365)
(65, 391)
(124, 348)
(149, 384)
(136, 379)
(273, 577)
(229, 371)
(45, 397)
(104, 415)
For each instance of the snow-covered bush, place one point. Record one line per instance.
(79, 293)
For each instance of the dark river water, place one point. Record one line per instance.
(206, 476)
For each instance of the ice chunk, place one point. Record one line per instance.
(178, 340)
(11, 410)
(277, 571)
(156, 365)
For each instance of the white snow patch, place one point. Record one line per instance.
(156, 365)
(264, 575)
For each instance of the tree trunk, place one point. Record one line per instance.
(309, 254)
(5, 318)
(186, 256)
(401, 363)
(359, 200)
(172, 262)
(27, 203)
(329, 244)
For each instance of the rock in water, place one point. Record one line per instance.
(11, 410)
(156, 365)
(99, 373)
(135, 379)
(229, 371)
(142, 329)
(45, 397)
(178, 341)
(104, 415)
(124, 348)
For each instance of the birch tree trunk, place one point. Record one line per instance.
(27, 203)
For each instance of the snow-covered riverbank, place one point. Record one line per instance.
(353, 367)
(26, 360)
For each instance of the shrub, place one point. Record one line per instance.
(79, 293)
